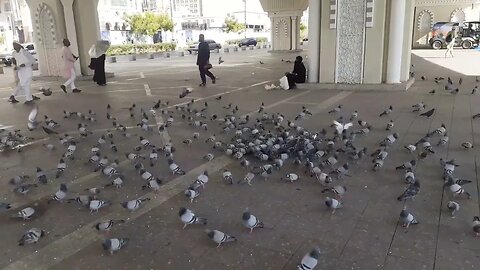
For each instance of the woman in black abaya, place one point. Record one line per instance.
(97, 61)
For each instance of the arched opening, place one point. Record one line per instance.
(424, 26)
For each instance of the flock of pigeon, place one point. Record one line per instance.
(262, 142)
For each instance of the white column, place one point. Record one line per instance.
(294, 33)
(407, 47)
(272, 32)
(313, 40)
(395, 41)
(71, 29)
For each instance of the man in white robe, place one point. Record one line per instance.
(23, 61)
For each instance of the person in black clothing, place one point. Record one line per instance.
(98, 65)
(203, 60)
(298, 74)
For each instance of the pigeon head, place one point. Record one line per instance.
(210, 233)
(328, 201)
(315, 253)
(246, 215)
(182, 211)
(476, 218)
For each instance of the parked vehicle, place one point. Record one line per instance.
(470, 34)
(440, 31)
(211, 43)
(467, 35)
(247, 42)
(6, 59)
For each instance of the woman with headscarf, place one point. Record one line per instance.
(97, 62)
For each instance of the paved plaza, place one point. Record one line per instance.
(365, 234)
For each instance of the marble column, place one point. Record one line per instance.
(395, 41)
(313, 40)
(293, 28)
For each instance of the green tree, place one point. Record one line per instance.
(149, 23)
(303, 30)
(232, 25)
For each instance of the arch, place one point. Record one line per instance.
(282, 34)
(45, 25)
(47, 39)
(457, 15)
(424, 26)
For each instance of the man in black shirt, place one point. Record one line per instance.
(298, 74)
(203, 60)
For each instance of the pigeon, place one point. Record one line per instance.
(333, 204)
(46, 92)
(418, 107)
(454, 207)
(191, 194)
(248, 178)
(409, 177)
(153, 184)
(134, 204)
(61, 166)
(432, 92)
(220, 61)
(467, 145)
(5, 206)
(310, 260)
(41, 176)
(114, 244)
(390, 125)
(188, 217)
(476, 225)
(60, 195)
(251, 222)
(105, 226)
(411, 191)
(475, 116)
(227, 176)
(407, 218)
(117, 182)
(387, 111)
(18, 179)
(475, 89)
(340, 127)
(25, 213)
(31, 236)
(389, 140)
(24, 189)
(411, 148)
(95, 205)
(49, 131)
(83, 200)
(292, 177)
(443, 141)
(456, 187)
(336, 109)
(32, 119)
(201, 180)
(337, 190)
(428, 113)
(220, 237)
(407, 165)
(174, 168)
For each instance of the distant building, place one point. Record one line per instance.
(15, 23)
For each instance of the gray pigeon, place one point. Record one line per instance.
(310, 260)
(411, 191)
(251, 222)
(407, 218)
(188, 217)
(114, 244)
(220, 237)
(31, 236)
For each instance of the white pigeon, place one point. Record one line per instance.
(341, 127)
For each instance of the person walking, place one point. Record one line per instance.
(203, 60)
(97, 62)
(450, 39)
(68, 67)
(23, 62)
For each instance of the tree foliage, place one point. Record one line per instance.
(149, 23)
(232, 25)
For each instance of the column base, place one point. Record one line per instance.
(404, 86)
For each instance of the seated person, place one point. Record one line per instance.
(298, 74)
